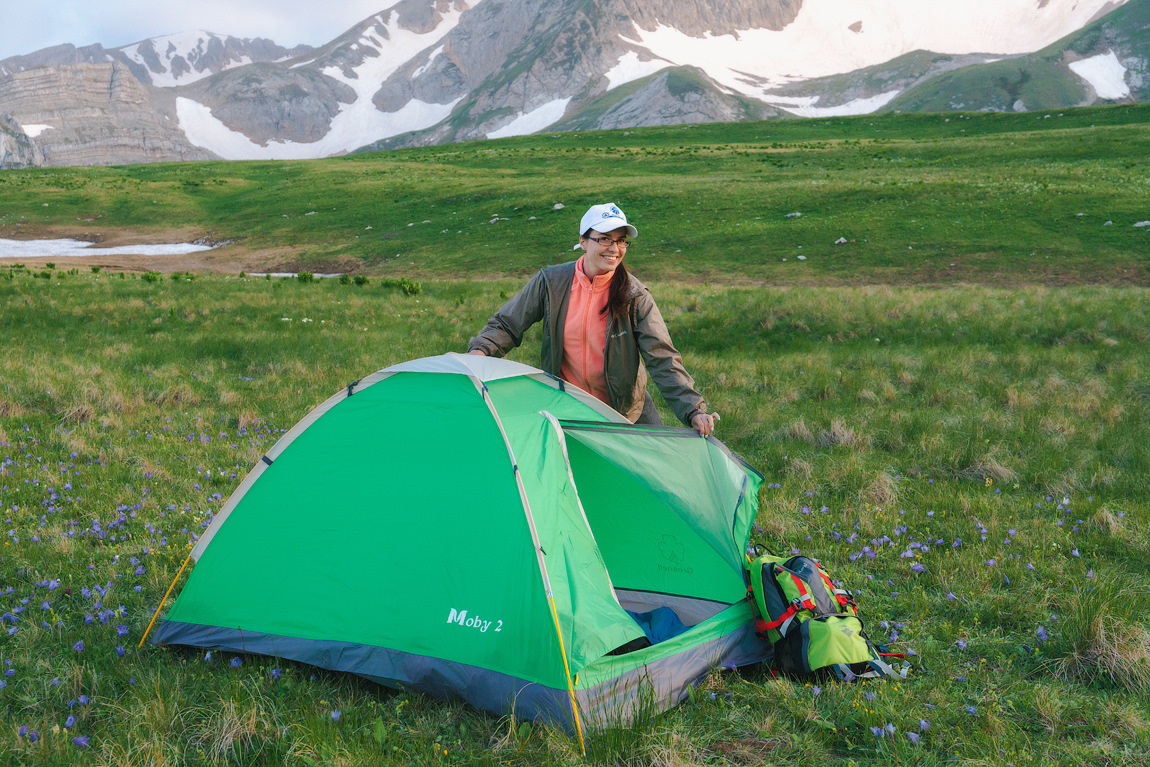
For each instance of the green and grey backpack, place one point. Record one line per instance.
(812, 624)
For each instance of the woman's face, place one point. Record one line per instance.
(599, 259)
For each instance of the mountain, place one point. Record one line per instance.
(1108, 61)
(435, 71)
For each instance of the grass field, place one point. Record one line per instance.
(972, 457)
(980, 198)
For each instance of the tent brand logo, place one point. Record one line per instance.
(672, 550)
(474, 622)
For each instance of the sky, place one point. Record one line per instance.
(29, 25)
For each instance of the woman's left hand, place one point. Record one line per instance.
(704, 423)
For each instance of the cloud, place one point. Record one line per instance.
(28, 27)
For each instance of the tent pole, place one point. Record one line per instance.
(165, 599)
(567, 669)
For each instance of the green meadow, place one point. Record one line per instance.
(966, 446)
(999, 199)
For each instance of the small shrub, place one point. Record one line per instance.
(243, 274)
(50, 265)
(150, 276)
(96, 269)
(345, 279)
(409, 287)
(360, 280)
(305, 277)
(44, 274)
(174, 276)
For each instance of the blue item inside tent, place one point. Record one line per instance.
(660, 624)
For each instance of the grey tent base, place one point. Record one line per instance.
(659, 684)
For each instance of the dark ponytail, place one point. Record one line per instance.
(617, 302)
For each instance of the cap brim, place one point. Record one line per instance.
(611, 224)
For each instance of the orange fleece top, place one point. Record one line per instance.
(585, 333)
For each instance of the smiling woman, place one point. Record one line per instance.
(602, 330)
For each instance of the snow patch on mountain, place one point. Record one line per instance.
(820, 41)
(430, 59)
(1105, 74)
(630, 68)
(32, 131)
(204, 130)
(804, 106)
(535, 120)
(174, 57)
(358, 123)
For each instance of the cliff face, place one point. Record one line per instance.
(17, 150)
(92, 114)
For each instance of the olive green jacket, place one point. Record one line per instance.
(636, 340)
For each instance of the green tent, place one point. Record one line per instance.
(473, 526)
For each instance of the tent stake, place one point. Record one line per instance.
(165, 599)
(567, 668)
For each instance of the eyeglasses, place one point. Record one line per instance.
(606, 242)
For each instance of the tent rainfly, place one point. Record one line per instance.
(471, 526)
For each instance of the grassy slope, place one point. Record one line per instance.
(882, 417)
(922, 197)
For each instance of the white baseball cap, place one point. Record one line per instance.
(605, 218)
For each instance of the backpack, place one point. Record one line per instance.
(812, 625)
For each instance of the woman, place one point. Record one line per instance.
(601, 328)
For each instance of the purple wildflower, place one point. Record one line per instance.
(79, 646)
(81, 741)
(335, 715)
(817, 690)
(71, 720)
(33, 736)
(120, 650)
(923, 725)
(913, 737)
(971, 710)
(236, 663)
(1041, 634)
(276, 673)
(917, 567)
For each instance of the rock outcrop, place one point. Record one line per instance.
(92, 114)
(675, 97)
(17, 150)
